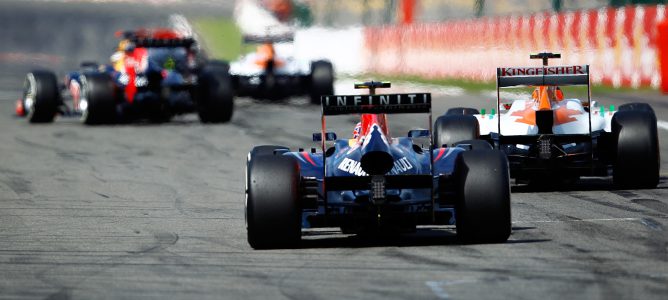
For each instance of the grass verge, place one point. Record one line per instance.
(222, 38)
(468, 85)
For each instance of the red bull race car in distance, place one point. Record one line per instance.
(375, 181)
(549, 137)
(154, 74)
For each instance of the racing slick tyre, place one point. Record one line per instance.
(215, 95)
(636, 162)
(273, 215)
(222, 65)
(41, 97)
(476, 144)
(262, 150)
(322, 80)
(462, 111)
(636, 106)
(99, 98)
(451, 129)
(482, 205)
(265, 150)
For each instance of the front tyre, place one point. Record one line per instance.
(482, 207)
(273, 215)
(41, 97)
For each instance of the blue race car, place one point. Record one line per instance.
(374, 182)
(155, 74)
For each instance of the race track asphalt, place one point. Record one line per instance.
(156, 211)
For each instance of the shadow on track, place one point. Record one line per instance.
(424, 236)
(583, 184)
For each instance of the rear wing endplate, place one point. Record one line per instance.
(545, 75)
(376, 104)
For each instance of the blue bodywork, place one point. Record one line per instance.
(409, 159)
(166, 81)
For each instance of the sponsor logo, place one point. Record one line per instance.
(391, 99)
(401, 165)
(170, 64)
(533, 71)
(352, 166)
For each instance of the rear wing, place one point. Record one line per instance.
(163, 43)
(542, 76)
(376, 104)
(156, 38)
(545, 75)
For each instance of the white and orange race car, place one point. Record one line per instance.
(275, 71)
(550, 137)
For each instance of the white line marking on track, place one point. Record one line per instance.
(439, 291)
(662, 124)
(437, 288)
(581, 220)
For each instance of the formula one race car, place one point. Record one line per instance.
(375, 182)
(273, 72)
(155, 74)
(550, 137)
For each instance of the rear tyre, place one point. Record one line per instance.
(637, 160)
(98, 103)
(260, 151)
(476, 144)
(636, 106)
(322, 80)
(265, 150)
(462, 111)
(450, 129)
(41, 97)
(273, 215)
(215, 94)
(482, 207)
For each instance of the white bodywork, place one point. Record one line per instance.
(569, 115)
(578, 119)
(285, 53)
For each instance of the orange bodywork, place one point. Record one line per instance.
(282, 9)
(545, 98)
(266, 53)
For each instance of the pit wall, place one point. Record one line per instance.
(618, 43)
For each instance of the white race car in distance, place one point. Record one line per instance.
(273, 72)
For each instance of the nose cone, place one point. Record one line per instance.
(376, 155)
